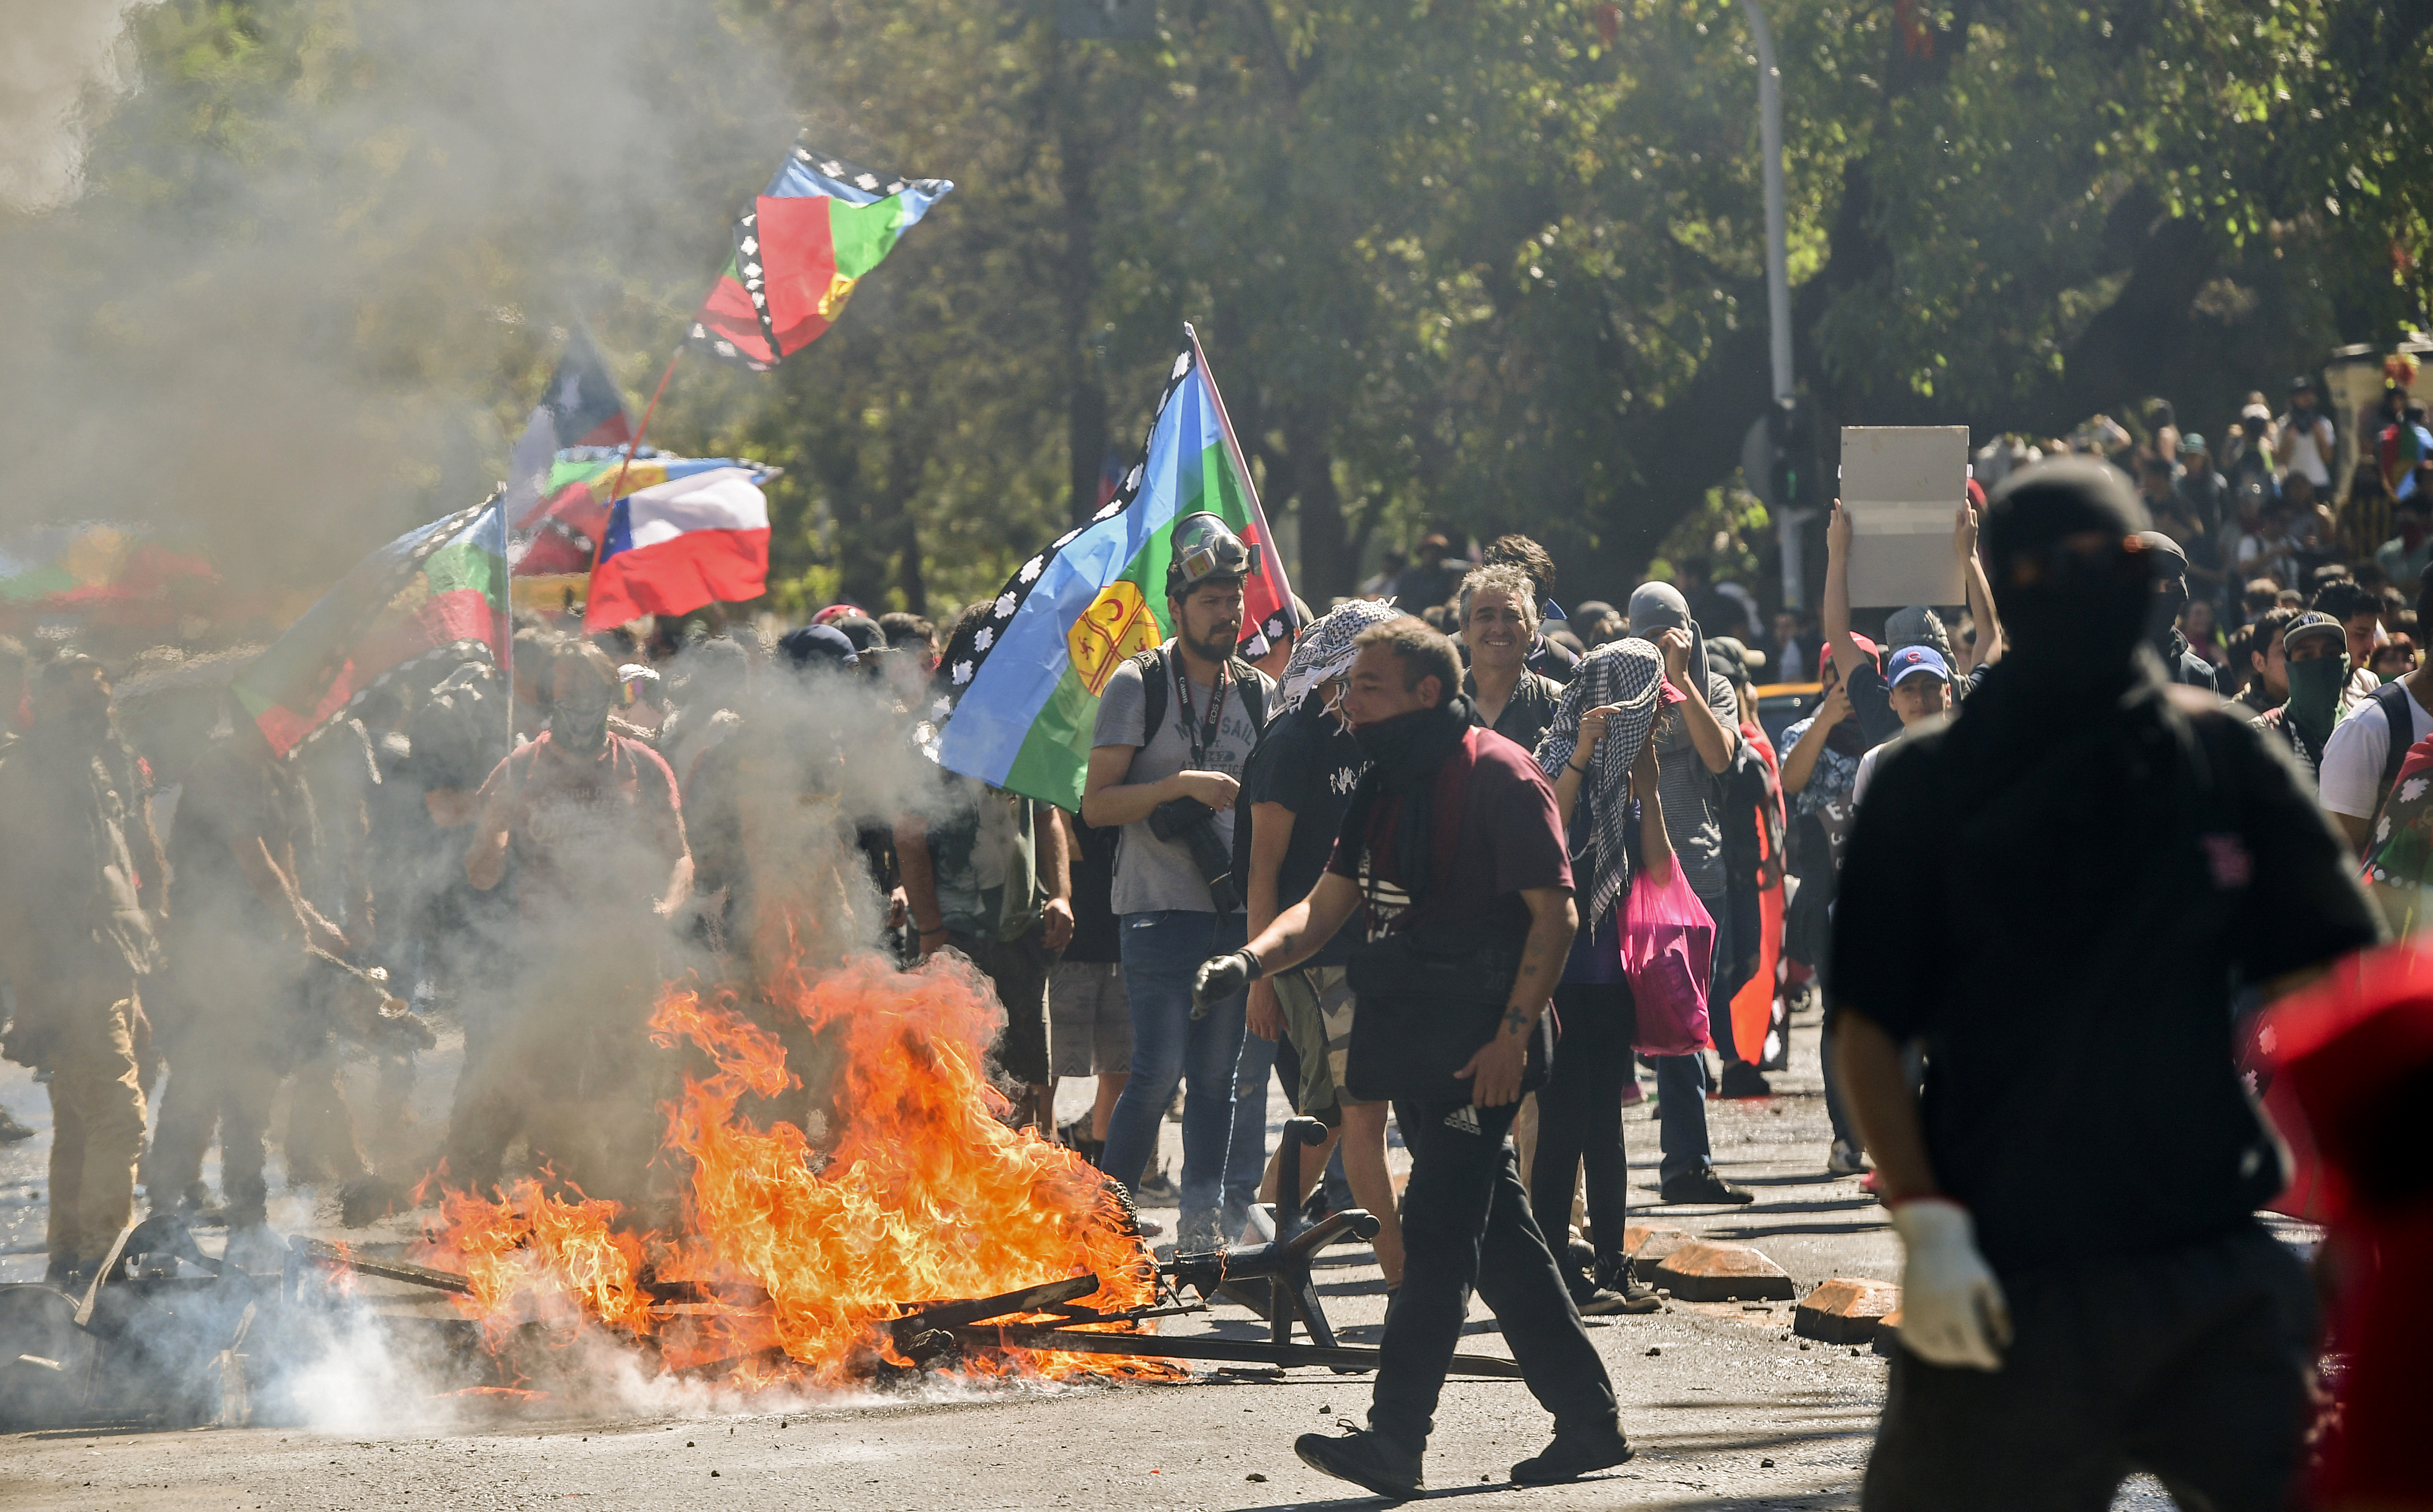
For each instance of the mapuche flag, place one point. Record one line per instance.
(820, 224)
(425, 604)
(1018, 703)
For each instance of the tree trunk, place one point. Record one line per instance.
(1327, 566)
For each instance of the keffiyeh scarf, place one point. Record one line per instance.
(1624, 672)
(1324, 648)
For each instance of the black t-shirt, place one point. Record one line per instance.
(1308, 764)
(2092, 1014)
(1496, 835)
(1097, 937)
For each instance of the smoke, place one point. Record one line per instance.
(293, 285)
(57, 56)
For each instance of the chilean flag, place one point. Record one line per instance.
(678, 545)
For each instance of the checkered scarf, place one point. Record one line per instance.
(1627, 672)
(1324, 648)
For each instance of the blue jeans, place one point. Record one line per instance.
(1246, 1161)
(1681, 1079)
(1162, 952)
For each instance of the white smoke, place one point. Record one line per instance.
(55, 58)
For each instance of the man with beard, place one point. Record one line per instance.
(591, 822)
(1452, 833)
(83, 867)
(2175, 858)
(1184, 763)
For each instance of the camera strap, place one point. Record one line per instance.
(1200, 734)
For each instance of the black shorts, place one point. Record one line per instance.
(2190, 1364)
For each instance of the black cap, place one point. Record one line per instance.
(2169, 561)
(2040, 504)
(817, 646)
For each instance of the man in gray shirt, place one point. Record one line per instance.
(1208, 708)
(1694, 741)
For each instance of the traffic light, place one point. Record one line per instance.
(1790, 457)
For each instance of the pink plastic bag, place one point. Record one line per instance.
(1668, 951)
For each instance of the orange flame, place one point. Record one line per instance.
(800, 1247)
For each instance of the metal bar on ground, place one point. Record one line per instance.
(319, 1253)
(1247, 1351)
(925, 1316)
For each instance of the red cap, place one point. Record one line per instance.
(1875, 653)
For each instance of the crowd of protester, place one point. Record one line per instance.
(1486, 789)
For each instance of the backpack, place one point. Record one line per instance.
(2401, 718)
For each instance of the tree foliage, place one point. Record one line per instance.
(1481, 264)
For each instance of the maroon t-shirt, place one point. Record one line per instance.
(1496, 834)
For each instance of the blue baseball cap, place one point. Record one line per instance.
(1910, 661)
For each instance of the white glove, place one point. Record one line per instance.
(1953, 1311)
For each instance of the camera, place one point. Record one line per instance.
(1194, 823)
(2253, 426)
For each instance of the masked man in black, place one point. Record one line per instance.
(1454, 844)
(2170, 572)
(2174, 856)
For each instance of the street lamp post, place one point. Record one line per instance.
(1778, 269)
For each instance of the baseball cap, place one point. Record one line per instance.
(817, 646)
(2313, 622)
(1915, 661)
(1825, 653)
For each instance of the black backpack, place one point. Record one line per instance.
(2401, 723)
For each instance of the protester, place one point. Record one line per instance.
(1820, 778)
(1089, 1018)
(2315, 670)
(592, 825)
(1751, 812)
(2267, 660)
(1547, 657)
(988, 876)
(1604, 769)
(2132, 813)
(1431, 579)
(1210, 710)
(1694, 743)
(1499, 624)
(1870, 692)
(2180, 664)
(1452, 833)
(78, 896)
(2362, 757)
(2359, 613)
(1921, 695)
(2302, 448)
(1295, 791)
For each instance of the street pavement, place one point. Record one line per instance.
(1728, 1408)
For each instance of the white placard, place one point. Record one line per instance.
(1902, 485)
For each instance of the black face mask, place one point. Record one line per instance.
(2087, 611)
(2171, 599)
(577, 726)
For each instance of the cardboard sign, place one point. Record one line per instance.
(1903, 484)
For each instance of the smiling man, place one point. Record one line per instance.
(1454, 842)
(1499, 624)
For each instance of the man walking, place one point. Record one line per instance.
(2174, 856)
(1170, 781)
(75, 940)
(1452, 831)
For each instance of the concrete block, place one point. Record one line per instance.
(1649, 1243)
(1845, 1310)
(1888, 1333)
(1702, 1273)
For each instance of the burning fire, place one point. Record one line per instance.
(799, 1246)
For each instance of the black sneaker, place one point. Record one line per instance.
(1366, 1459)
(1705, 1186)
(1573, 1456)
(1741, 1079)
(1596, 1301)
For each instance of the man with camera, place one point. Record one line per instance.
(1453, 845)
(1174, 725)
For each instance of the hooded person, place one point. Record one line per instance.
(2173, 855)
(2180, 664)
(1917, 625)
(1593, 755)
(1695, 741)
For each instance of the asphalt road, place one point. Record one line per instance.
(1728, 1408)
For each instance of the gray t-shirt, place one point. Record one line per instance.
(1152, 874)
(1692, 819)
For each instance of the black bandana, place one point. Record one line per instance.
(1404, 755)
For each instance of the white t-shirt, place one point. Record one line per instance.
(2353, 758)
(1868, 770)
(2311, 453)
